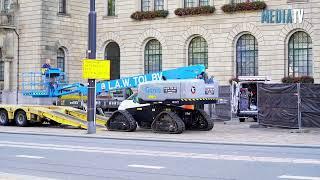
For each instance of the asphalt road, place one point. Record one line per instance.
(48, 157)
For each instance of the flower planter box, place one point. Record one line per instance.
(246, 6)
(149, 15)
(194, 11)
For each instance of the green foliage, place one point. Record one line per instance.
(194, 10)
(302, 79)
(149, 14)
(245, 6)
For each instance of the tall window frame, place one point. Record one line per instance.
(146, 5)
(198, 51)
(247, 56)
(153, 56)
(112, 53)
(300, 54)
(62, 7)
(61, 59)
(158, 5)
(111, 8)
(196, 3)
(5, 5)
(1, 67)
(241, 1)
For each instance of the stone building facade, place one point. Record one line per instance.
(281, 40)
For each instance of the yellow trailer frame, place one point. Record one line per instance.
(23, 115)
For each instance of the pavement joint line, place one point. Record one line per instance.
(185, 141)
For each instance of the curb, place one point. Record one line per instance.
(169, 140)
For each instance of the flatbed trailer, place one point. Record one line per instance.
(26, 115)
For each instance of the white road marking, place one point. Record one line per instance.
(145, 166)
(298, 177)
(30, 157)
(157, 153)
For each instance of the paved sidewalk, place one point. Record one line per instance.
(221, 133)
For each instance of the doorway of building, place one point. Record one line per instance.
(112, 53)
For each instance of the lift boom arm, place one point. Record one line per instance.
(189, 72)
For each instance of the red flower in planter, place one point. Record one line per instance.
(245, 6)
(194, 10)
(149, 14)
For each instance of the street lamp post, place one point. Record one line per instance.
(91, 111)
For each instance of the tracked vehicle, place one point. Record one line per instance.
(166, 107)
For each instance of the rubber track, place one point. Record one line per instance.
(178, 122)
(129, 118)
(207, 118)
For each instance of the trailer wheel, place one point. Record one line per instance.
(202, 121)
(121, 120)
(168, 122)
(4, 120)
(21, 118)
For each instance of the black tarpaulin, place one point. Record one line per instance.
(278, 105)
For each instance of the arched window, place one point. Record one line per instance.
(198, 51)
(61, 58)
(112, 53)
(153, 57)
(247, 56)
(300, 55)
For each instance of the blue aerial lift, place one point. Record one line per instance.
(162, 103)
(50, 82)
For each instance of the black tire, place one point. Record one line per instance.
(20, 118)
(121, 120)
(4, 120)
(168, 122)
(242, 119)
(202, 121)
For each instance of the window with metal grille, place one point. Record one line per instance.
(1, 67)
(198, 51)
(242, 1)
(300, 55)
(190, 3)
(195, 3)
(6, 5)
(153, 57)
(145, 5)
(62, 6)
(158, 5)
(203, 2)
(1, 71)
(111, 8)
(61, 59)
(247, 56)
